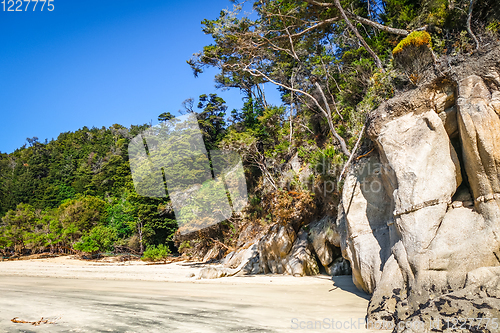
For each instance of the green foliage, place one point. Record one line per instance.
(165, 116)
(52, 194)
(381, 88)
(493, 27)
(16, 226)
(326, 161)
(156, 253)
(99, 239)
(120, 216)
(85, 212)
(185, 245)
(248, 116)
(211, 119)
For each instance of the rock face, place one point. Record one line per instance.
(325, 240)
(363, 224)
(282, 250)
(480, 298)
(420, 218)
(274, 248)
(301, 259)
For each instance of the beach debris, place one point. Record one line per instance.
(34, 323)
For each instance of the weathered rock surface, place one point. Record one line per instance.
(365, 213)
(300, 261)
(325, 240)
(281, 250)
(243, 262)
(419, 219)
(274, 248)
(475, 308)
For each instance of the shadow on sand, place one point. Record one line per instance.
(344, 282)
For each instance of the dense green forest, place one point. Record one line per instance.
(333, 62)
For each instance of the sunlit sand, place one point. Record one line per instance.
(86, 296)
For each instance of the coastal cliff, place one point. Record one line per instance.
(420, 217)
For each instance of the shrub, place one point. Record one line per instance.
(185, 245)
(99, 239)
(416, 38)
(84, 212)
(414, 55)
(493, 27)
(156, 253)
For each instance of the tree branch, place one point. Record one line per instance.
(292, 48)
(352, 155)
(325, 113)
(329, 118)
(360, 19)
(400, 32)
(327, 73)
(469, 19)
(320, 4)
(358, 35)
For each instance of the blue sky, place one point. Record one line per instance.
(97, 63)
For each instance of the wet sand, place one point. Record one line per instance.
(134, 297)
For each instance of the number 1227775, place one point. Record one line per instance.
(26, 5)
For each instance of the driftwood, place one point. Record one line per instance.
(126, 249)
(220, 244)
(34, 323)
(166, 262)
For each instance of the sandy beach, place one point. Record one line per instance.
(86, 296)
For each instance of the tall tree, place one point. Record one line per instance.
(211, 119)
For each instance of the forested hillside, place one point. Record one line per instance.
(332, 61)
(79, 184)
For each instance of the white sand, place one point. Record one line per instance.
(68, 267)
(135, 297)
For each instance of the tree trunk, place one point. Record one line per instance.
(328, 115)
(141, 246)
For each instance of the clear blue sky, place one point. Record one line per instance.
(97, 63)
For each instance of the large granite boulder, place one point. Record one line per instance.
(365, 213)
(279, 251)
(274, 248)
(419, 219)
(300, 261)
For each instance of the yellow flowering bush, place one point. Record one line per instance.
(415, 39)
(414, 55)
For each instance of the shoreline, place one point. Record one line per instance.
(181, 271)
(135, 297)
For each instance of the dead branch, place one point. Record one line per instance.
(364, 155)
(327, 73)
(330, 121)
(469, 19)
(353, 152)
(256, 72)
(220, 243)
